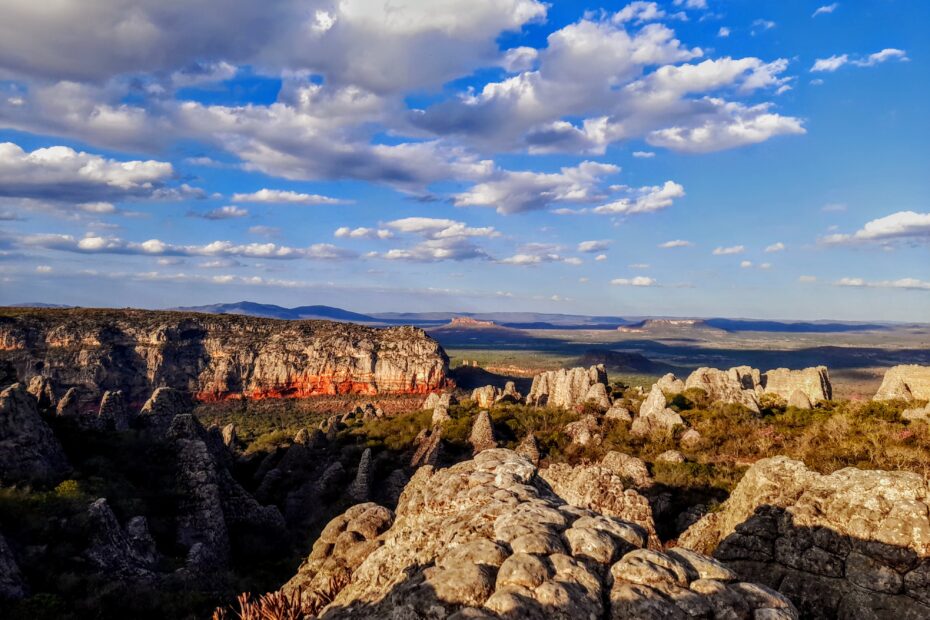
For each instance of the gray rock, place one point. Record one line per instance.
(12, 582)
(628, 468)
(567, 388)
(360, 489)
(670, 384)
(584, 431)
(671, 456)
(29, 451)
(799, 400)
(41, 387)
(529, 449)
(619, 413)
(654, 417)
(482, 433)
(69, 405)
(113, 413)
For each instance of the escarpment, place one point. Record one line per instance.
(216, 357)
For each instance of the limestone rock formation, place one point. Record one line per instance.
(29, 451)
(567, 388)
(736, 385)
(690, 439)
(584, 431)
(654, 417)
(619, 413)
(113, 413)
(360, 489)
(485, 396)
(529, 449)
(343, 545)
(671, 456)
(852, 544)
(41, 387)
(12, 582)
(486, 539)
(670, 384)
(510, 394)
(906, 382)
(799, 400)
(446, 398)
(814, 383)
(230, 436)
(629, 468)
(428, 447)
(162, 406)
(917, 413)
(440, 415)
(124, 554)
(218, 356)
(482, 433)
(69, 404)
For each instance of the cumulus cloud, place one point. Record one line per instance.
(277, 196)
(834, 62)
(520, 191)
(901, 283)
(676, 243)
(60, 173)
(439, 228)
(95, 244)
(594, 246)
(637, 281)
(727, 251)
(440, 240)
(363, 233)
(643, 154)
(724, 32)
(775, 247)
(900, 226)
(644, 200)
(746, 264)
(539, 253)
(222, 213)
(825, 9)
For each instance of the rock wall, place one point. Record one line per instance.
(812, 382)
(217, 356)
(745, 385)
(736, 385)
(853, 544)
(29, 451)
(907, 382)
(569, 387)
(483, 539)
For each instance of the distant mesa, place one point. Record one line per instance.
(649, 325)
(465, 322)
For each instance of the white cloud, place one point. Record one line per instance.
(223, 213)
(60, 173)
(676, 243)
(594, 246)
(600, 258)
(517, 192)
(438, 228)
(643, 154)
(825, 9)
(762, 25)
(834, 62)
(95, 244)
(692, 4)
(441, 240)
(746, 264)
(639, 266)
(638, 12)
(637, 281)
(724, 32)
(775, 247)
(363, 233)
(901, 283)
(726, 251)
(43, 269)
(99, 208)
(277, 196)
(539, 253)
(518, 59)
(645, 200)
(903, 225)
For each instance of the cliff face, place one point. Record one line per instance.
(217, 356)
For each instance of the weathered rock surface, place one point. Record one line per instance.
(584, 431)
(529, 449)
(814, 383)
(654, 416)
(671, 456)
(567, 388)
(800, 400)
(218, 356)
(670, 384)
(619, 413)
(360, 489)
(917, 413)
(736, 385)
(69, 405)
(113, 413)
(41, 387)
(487, 539)
(906, 382)
(690, 439)
(12, 582)
(482, 433)
(123, 554)
(485, 396)
(852, 544)
(429, 447)
(29, 451)
(629, 468)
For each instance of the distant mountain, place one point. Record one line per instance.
(649, 325)
(743, 325)
(272, 311)
(38, 304)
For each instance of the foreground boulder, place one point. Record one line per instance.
(907, 382)
(812, 383)
(569, 388)
(654, 417)
(485, 539)
(736, 385)
(29, 451)
(853, 544)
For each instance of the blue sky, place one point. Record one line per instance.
(684, 158)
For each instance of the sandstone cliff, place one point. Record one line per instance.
(853, 544)
(217, 356)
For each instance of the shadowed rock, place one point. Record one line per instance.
(12, 582)
(29, 451)
(360, 489)
(124, 554)
(429, 447)
(41, 387)
(69, 404)
(113, 413)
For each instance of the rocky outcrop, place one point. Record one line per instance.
(630, 469)
(854, 543)
(907, 382)
(343, 545)
(482, 433)
(41, 388)
(736, 385)
(29, 451)
(428, 447)
(670, 384)
(122, 554)
(584, 431)
(814, 383)
(69, 405)
(619, 413)
(230, 436)
(489, 395)
(671, 456)
(217, 356)
(529, 449)
(113, 413)
(654, 417)
(360, 489)
(486, 539)
(800, 400)
(569, 388)
(12, 582)
(434, 399)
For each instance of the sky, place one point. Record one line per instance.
(737, 158)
